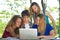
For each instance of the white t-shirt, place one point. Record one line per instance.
(27, 25)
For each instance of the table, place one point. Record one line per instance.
(11, 38)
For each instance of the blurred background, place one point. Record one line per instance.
(8, 8)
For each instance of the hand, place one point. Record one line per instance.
(40, 37)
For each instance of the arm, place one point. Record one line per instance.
(53, 22)
(52, 34)
(12, 32)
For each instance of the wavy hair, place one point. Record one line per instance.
(12, 22)
(30, 9)
(42, 24)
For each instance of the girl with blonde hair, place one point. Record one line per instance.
(44, 30)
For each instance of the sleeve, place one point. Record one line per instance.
(49, 28)
(34, 26)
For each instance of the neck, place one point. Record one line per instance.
(26, 22)
(36, 12)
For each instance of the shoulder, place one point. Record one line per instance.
(41, 12)
(47, 12)
(8, 29)
(30, 24)
(34, 26)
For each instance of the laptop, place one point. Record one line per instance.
(28, 34)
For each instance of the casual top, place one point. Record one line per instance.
(6, 34)
(29, 25)
(47, 30)
(47, 19)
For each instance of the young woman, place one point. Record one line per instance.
(14, 23)
(44, 30)
(25, 16)
(35, 10)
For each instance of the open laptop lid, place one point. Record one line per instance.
(28, 33)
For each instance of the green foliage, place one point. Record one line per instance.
(53, 8)
(0, 38)
(4, 12)
(2, 16)
(59, 27)
(2, 27)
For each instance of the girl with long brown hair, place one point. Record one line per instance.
(14, 23)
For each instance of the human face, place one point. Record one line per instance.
(26, 19)
(18, 22)
(37, 20)
(35, 8)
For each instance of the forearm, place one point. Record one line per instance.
(48, 37)
(52, 19)
(54, 25)
(45, 37)
(16, 36)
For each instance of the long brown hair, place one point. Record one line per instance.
(12, 22)
(30, 9)
(42, 24)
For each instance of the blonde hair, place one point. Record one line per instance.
(42, 24)
(30, 9)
